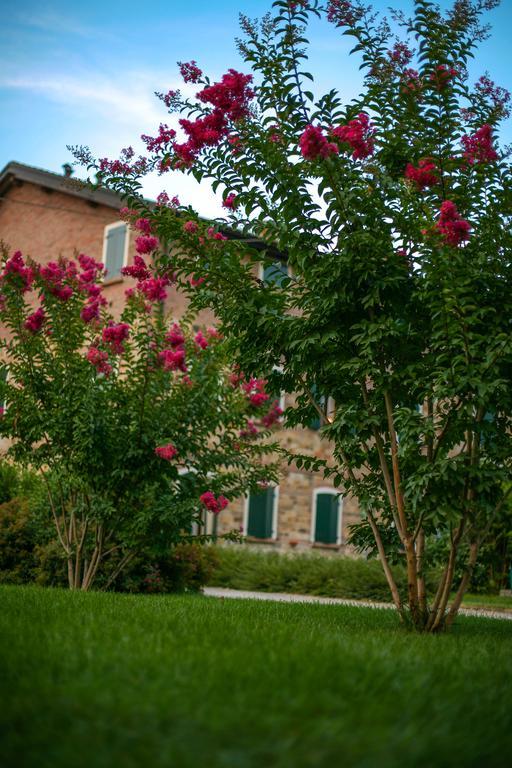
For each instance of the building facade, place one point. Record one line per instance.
(45, 215)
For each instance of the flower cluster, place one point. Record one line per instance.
(358, 134)
(400, 54)
(255, 391)
(213, 504)
(114, 334)
(55, 274)
(343, 13)
(16, 267)
(200, 340)
(442, 75)
(165, 136)
(173, 359)
(34, 322)
(230, 201)
(138, 270)
(153, 288)
(273, 415)
(189, 71)
(250, 430)
(498, 97)
(99, 360)
(313, 144)
(453, 228)
(425, 175)
(190, 227)
(411, 82)
(146, 244)
(478, 148)
(166, 452)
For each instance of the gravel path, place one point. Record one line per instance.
(283, 597)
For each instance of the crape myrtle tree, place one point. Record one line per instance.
(393, 214)
(137, 425)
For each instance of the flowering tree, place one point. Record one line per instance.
(137, 425)
(393, 215)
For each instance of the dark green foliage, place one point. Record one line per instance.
(109, 680)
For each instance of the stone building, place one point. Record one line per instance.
(46, 215)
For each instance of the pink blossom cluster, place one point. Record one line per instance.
(425, 175)
(412, 83)
(190, 227)
(146, 244)
(16, 267)
(400, 54)
(99, 360)
(230, 100)
(230, 202)
(55, 275)
(200, 340)
(138, 270)
(498, 96)
(92, 270)
(442, 75)
(165, 136)
(124, 166)
(213, 504)
(215, 235)
(173, 359)
(358, 133)
(153, 288)
(115, 334)
(313, 144)
(273, 415)
(175, 336)
(453, 228)
(478, 148)
(250, 430)
(166, 452)
(236, 144)
(343, 13)
(255, 391)
(34, 322)
(189, 71)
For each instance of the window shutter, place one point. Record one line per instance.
(114, 252)
(275, 273)
(261, 507)
(326, 526)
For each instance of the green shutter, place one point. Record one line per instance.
(114, 253)
(259, 519)
(275, 273)
(3, 387)
(326, 526)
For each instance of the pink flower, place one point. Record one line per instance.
(255, 391)
(143, 225)
(167, 452)
(154, 288)
(190, 227)
(478, 148)
(250, 429)
(146, 244)
(99, 359)
(231, 95)
(34, 321)
(313, 144)
(175, 336)
(189, 71)
(213, 504)
(196, 281)
(173, 360)
(200, 340)
(16, 267)
(215, 235)
(230, 202)
(441, 76)
(358, 134)
(137, 270)
(213, 333)
(115, 334)
(453, 228)
(273, 415)
(91, 310)
(165, 136)
(343, 13)
(87, 263)
(425, 175)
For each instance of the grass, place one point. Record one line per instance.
(104, 680)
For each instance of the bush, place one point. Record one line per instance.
(307, 574)
(185, 568)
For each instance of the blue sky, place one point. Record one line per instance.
(85, 72)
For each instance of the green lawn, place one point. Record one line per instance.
(99, 680)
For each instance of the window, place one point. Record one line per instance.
(274, 273)
(261, 514)
(115, 248)
(326, 516)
